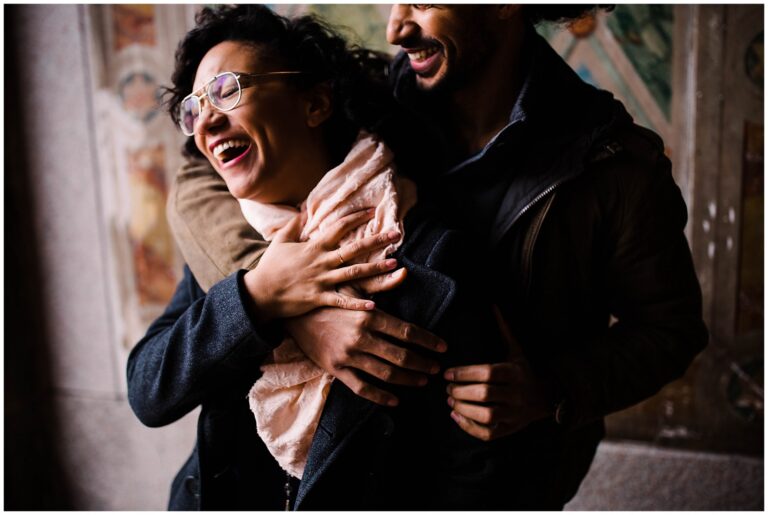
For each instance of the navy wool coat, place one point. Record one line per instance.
(205, 350)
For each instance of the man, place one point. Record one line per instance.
(574, 207)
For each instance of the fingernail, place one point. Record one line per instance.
(455, 416)
(448, 389)
(434, 369)
(451, 402)
(370, 210)
(390, 263)
(442, 347)
(370, 305)
(393, 235)
(449, 375)
(392, 402)
(422, 381)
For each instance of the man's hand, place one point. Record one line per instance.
(344, 342)
(494, 400)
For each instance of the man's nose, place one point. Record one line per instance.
(400, 25)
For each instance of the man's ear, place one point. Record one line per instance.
(508, 11)
(319, 107)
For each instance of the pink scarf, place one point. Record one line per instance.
(288, 398)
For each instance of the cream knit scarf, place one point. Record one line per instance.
(288, 398)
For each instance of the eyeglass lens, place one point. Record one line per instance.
(190, 110)
(223, 92)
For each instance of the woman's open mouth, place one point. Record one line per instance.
(230, 152)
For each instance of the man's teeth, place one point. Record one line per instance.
(422, 54)
(233, 143)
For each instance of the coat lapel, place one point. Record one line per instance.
(422, 299)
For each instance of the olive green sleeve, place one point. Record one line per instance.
(214, 237)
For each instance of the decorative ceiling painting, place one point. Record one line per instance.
(628, 52)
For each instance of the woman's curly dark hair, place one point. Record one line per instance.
(360, 94)
(563, 13)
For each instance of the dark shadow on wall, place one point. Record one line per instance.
(34, 476)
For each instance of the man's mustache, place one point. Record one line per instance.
(420, 43)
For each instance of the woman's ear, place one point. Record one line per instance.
(319, 107)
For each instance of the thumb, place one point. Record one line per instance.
(515, 351)
(290, 231)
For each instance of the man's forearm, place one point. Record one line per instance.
(214, 237)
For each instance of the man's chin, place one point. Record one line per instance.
(428, 84)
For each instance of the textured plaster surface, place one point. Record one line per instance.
(74, 302)
(114, 462)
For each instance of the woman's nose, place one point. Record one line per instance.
(210, 118)
(400, 25)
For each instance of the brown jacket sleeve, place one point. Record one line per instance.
(214, 237)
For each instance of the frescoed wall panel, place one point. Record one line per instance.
(138, 148)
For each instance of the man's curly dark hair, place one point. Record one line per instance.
(360, 94)
(563, 13)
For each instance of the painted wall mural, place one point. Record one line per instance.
(138, 148)
(644, 33)
(628, 52)
(134, 25)
(149, 235)
(363, 24)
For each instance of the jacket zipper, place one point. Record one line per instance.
(609, 149)
(525, 209)
(530, 241)
(537, 199)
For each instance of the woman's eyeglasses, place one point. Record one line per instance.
(223, 92)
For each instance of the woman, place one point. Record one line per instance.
(274, 104)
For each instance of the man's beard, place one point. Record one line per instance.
(461, 76)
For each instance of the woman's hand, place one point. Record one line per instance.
(294, 277)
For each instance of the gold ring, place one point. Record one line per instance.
(341, 259)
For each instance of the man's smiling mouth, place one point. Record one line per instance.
(423, 54)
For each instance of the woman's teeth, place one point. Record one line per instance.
(423, 54)
(219, 149)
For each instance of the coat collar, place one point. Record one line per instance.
(553, 126)
(552, 101)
